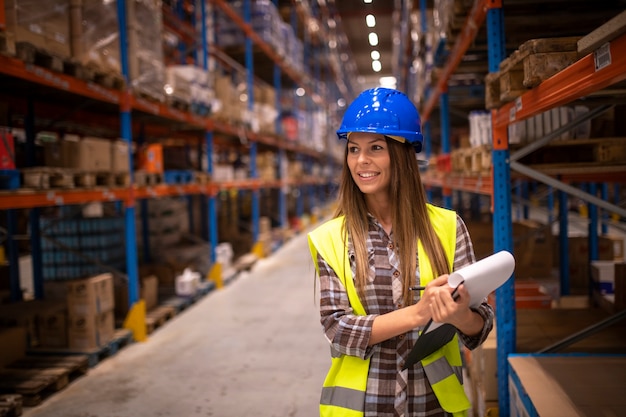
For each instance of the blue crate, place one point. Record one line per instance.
(9, 179)
(177, 176)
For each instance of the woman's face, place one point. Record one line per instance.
(369, 163)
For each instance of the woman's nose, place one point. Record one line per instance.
(363, 158)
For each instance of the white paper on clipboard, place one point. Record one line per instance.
(482, 277)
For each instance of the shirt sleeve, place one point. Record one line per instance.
(346, 332)
(464, 256)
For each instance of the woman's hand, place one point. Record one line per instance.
(443, 307)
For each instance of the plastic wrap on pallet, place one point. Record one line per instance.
(47, 27)
(191, 85)
(480, 128)
(100, 42)
(442, 15)
(265, 21)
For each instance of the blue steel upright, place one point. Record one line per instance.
(247, 14)
(444, 110)
(132, 269)
(502, 225)
(564, 243)
(211, 223)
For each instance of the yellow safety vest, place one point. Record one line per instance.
(343, 392)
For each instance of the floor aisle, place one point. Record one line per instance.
(252, 349)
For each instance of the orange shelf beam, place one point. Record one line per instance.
(474, 21)
(38, 75)
(25, 198)
(2, 16)
(576, 81)
(20, 199)
(167, 112)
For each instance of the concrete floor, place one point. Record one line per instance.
(254, 348)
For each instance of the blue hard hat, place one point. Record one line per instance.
(385, 111)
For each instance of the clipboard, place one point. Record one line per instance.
(480, 279)
(431, 340)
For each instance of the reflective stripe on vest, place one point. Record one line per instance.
(343, 394)
(440, 369)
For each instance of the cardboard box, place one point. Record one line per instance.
(573, 386)
(87, 154)
(52, 325)
(609, 248)
(88, 296)
(90, 331)
(148, 291)
(21, 314)
(603, 276)
(484, 369)
(46, 27)
(13, 344)
(620, 286)
(532, 247)
(120, 156)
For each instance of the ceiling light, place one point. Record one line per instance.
(367, 1)
(370, 20)
(389, 82)
(373, 38)
(377, 66)
(375, 55)
(300, 92)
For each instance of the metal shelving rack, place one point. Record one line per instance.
(578, 80)
(130, 108)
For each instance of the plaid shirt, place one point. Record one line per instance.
(391, 391)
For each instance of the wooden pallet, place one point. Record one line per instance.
(535, 61)
(113, 179)
(43, 178)
(609, 151)
(47, 177)
(11, 405)
(35, 377)
(33, 55)
(158, 316)
(7, 43)
(146, 179)
(120, 339)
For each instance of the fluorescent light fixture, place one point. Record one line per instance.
(370, 20)
(389, 82)
(377, 66)
(373, 38)
(367, 1)
(375, 55)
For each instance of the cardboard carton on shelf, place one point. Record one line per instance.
(86, 332)
(87, 296)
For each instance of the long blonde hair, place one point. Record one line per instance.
(409, 219)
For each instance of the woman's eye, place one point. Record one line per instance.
(353, 149)
(377, 148)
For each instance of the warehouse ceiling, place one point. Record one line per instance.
(523, 20)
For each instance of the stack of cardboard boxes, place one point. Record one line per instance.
(90, 305)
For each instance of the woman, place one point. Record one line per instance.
(384, 241)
